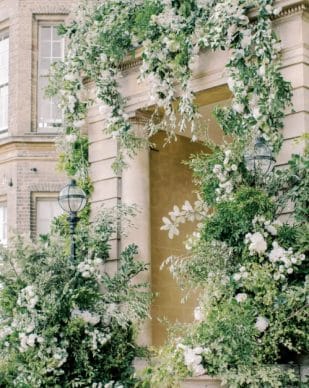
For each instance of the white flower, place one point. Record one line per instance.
(198, 314)
(261, 324)
(256, 113)
(277, 10)
(217, 169)
(277, 253)
(237, 276)
(258, 244)
(71, 138)
(79, 123)
(271, 229)
(193, 360)
(170, 227)
(177, 215)
(239, 108)
(241, 297)
(86, 316)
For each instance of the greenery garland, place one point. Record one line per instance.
(171, 33)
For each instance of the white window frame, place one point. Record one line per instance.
(4, 34)
(42, 75)
(4, 221)
(36, 197)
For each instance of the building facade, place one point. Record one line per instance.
(156, 179)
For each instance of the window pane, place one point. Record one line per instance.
(45, 33)
(3, 224)
(51, 50)
(4, 60)
(47, 209)
(55, 34)
(57, 50)
(3, 108)
(45, 50)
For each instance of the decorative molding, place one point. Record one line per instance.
(291, 9)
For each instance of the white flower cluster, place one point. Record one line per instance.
(226, 174)
(193, 358)
(283, 260)
(5, 331)
(187, 213)
(261, 324)
(30, 340)
(60, 356)
(89, 267)
(192, 240)
(242, 274)
(28, 297)
(257, 243)
(97, 337)
(86, 316)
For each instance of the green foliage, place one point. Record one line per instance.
(69, 324)
(231, 220)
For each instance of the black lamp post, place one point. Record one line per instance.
(72, 199)
(260, 160)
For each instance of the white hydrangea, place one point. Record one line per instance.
(261, 324)
(256, 242)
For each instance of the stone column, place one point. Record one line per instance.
(135, 189)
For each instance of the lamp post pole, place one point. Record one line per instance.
(72, 199)
(73, 220)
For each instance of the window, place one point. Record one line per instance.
(46, 210)
(3, 223)
(51, 49)
(4, 80)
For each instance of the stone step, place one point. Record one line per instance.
(202, 382)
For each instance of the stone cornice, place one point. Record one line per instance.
(31, 139)
(290, 7)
